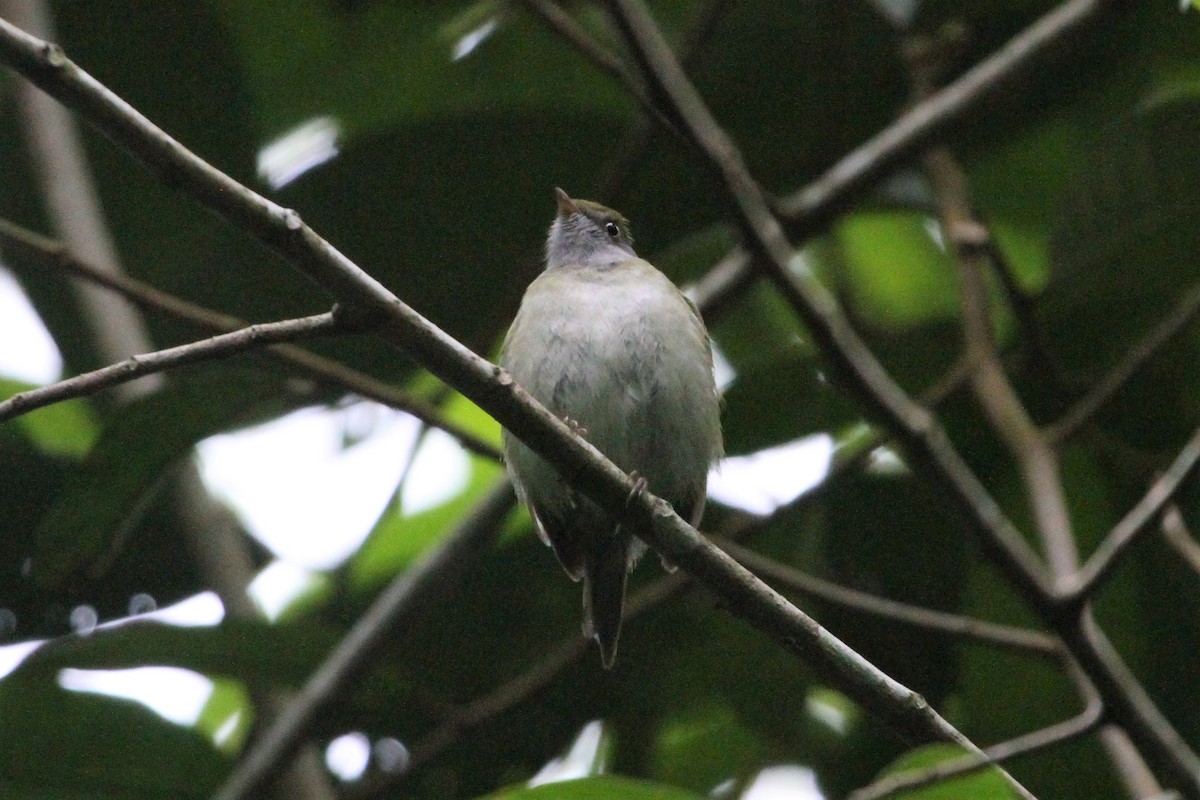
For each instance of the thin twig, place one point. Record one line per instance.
(1104, 559)
(1037, 460)
(811, 208)
(972, 243)
(1175, 532)
(1134, 359)
(319, 368)
(560, 22)
(1056, 734)
(216, 347)
(928, 619)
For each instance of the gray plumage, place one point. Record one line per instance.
(605, 340)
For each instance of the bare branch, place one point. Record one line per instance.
(971, 241)
(560, 22)
(1065, 731)
(1175, 532)
(1107, 555)
(811, 208)
(1134, 359)
(977, 630)
(314, 366)
(222, 346)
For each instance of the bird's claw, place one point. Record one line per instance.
(639, 486)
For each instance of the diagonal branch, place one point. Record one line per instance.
(216, 347)
(809, 209)
(561, 23)
(966, 628)
(1137, 521)
(1176, 534)
(1173, 324)
(1038, 462)
(317, 367)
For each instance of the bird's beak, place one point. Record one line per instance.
(566, 206)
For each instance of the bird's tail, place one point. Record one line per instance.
(604, 577)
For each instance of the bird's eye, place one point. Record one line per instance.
(612, 229)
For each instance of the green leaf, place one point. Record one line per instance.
(895, 275)
(985, 784)
(599, 788)
(68, 428)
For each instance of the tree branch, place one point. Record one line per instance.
(560, 22)
(1083, 723)
(317, 367)
(1084, 583)
(967, 628)
(971, 241)
(811, 208)
(1175, 532)
(221, 346)
(1134, 359)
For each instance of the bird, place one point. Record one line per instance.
(608, 343)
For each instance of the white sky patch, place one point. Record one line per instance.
(761, 482)
(784, 781)
(27, 352)
(440, 471)
(12, 655)
(820, 709)
(580, 760)
(299, 489)
(472, 39)
(198, 611)
(176, 695)
(227, 728)
(347, 756)
(278, 586)
(308, 145)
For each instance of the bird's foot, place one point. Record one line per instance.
(575, 427)
(639, 486)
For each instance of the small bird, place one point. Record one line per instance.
(607, 342)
